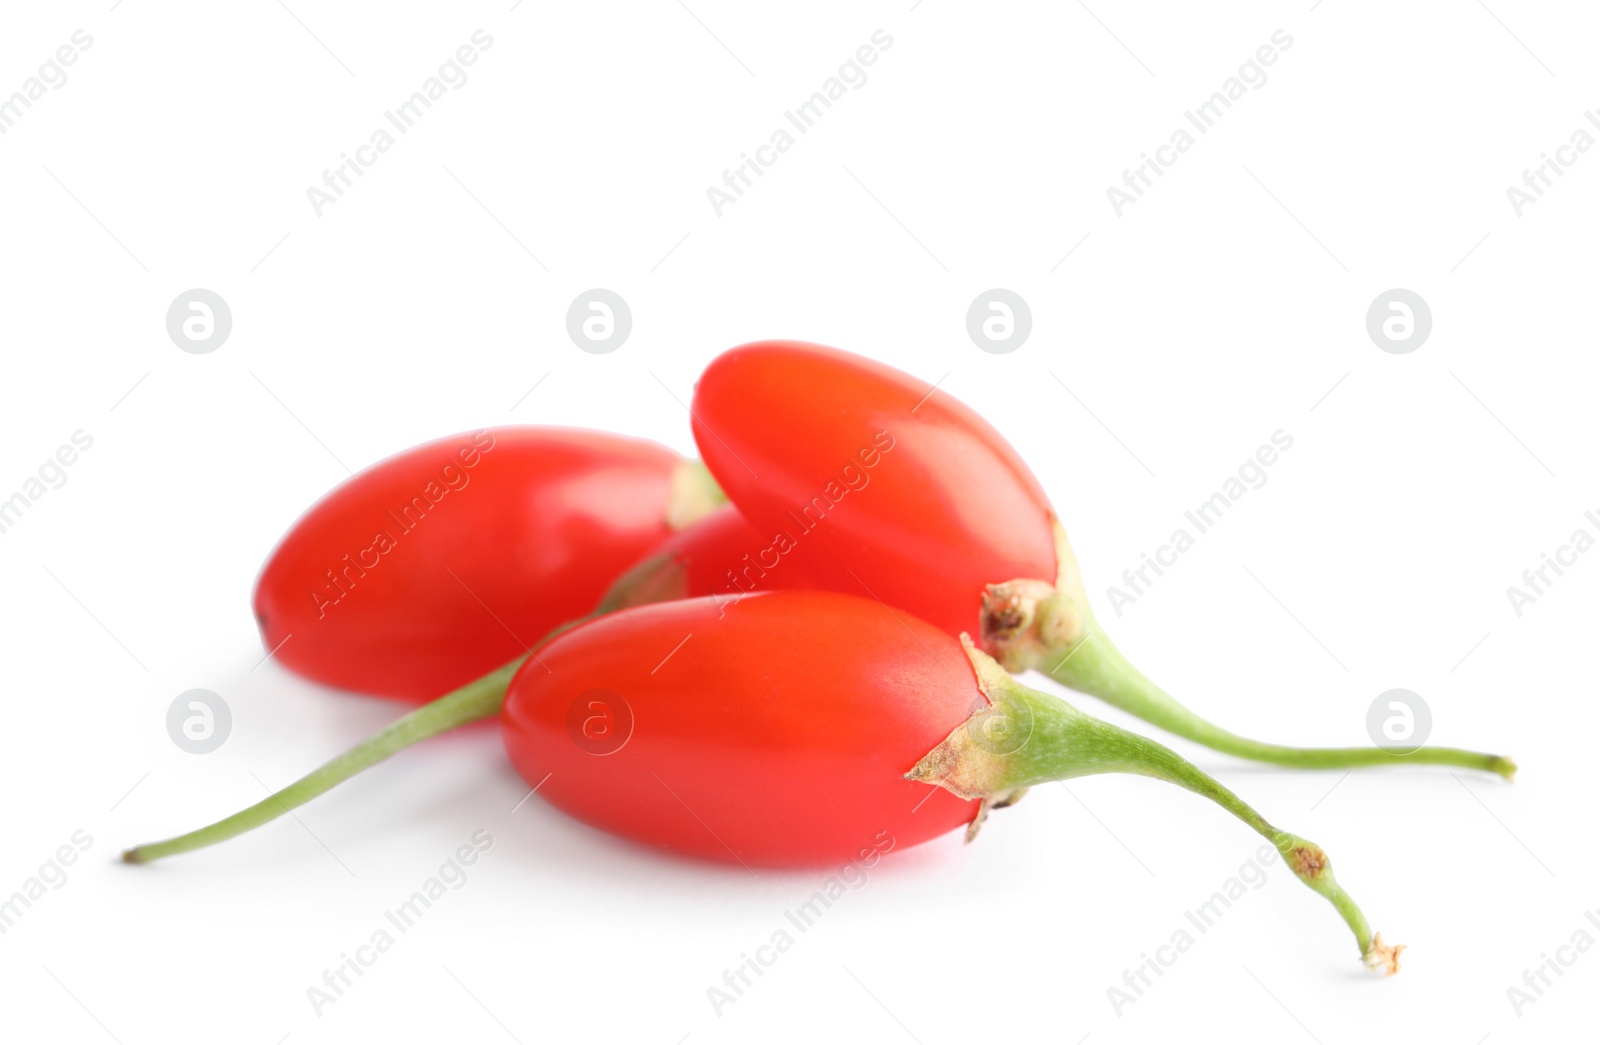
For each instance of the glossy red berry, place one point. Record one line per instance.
(893, 490)
(443, 562)
(773, 731)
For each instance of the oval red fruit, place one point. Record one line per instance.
(437, 565)
(892, 490)
(774, 730)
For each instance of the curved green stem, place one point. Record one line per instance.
(1095, 666)
(1026, 737)
(653, 580)
(1050, 627)
(480, 698)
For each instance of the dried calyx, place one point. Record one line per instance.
(1024, 737)
(1026, 623)
(1032, 624)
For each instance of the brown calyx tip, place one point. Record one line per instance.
(1382, 957)
(1017, 621)
(934, 767)
(962, 763)
(989, 803)
(1309, 861)
(1004, 613)
(1022, 622)
(977, 822)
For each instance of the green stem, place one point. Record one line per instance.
(655, 579)
(1095, 666)
(480, 698)
(1050, 627)
(1026, 738)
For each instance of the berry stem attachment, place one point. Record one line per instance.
(694, 494)
(1033, 624)
(1026, 738)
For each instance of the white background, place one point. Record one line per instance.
(1228, 303)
